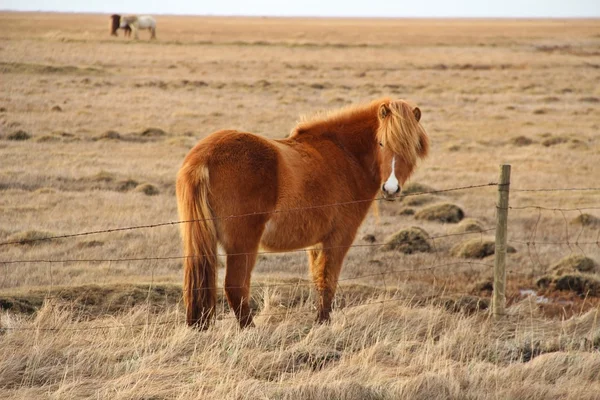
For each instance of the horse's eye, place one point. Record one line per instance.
(381, 144)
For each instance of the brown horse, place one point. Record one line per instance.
(311, 190)
(115, 24)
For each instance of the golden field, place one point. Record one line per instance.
(105, 122)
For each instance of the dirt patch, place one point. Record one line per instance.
(445, 212)
(408, 241)
(477, 248)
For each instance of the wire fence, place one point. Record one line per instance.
(528, 239)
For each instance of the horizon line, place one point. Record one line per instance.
(448, 17)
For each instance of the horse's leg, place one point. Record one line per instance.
(325, 266)
(241, 244)
(152, 33)
(237, 285)
(135, 32)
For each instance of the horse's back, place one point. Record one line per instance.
(242, 170)
(146, 21)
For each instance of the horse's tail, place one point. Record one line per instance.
(200, 246)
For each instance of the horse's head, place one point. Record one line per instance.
(114, 23)
(403, 141)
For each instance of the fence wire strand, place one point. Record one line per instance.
(296, 209)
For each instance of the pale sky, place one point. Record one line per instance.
(323, 8)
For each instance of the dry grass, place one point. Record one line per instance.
(110, 120)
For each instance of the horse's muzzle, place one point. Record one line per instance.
(387, 195)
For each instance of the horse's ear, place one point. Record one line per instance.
(384, 110)
(417, 112)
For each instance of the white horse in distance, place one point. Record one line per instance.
(142, 22)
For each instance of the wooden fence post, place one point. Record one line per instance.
(499, 299)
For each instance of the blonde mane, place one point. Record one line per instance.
(394, 120)
(320, 120)
(400, 131)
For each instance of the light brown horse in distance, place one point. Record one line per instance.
(311, 190)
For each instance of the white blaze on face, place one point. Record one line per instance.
(391, 186)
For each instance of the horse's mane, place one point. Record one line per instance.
(401, 132)
(324, 121)
(394, 120)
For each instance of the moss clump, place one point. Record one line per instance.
(19, 135)
(521, 141)
(153, 132)
(468, 225)
(582, 284)
(554, 140)
(148, 189)
(445, 212)
(109, 135)
(477, 248)
(408, 241)
(574, 263)
(588, 220)
(126, 185)
(103, 176)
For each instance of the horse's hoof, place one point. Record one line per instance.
(247, 322)
(323, 319)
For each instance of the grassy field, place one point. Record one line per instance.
(94, 128)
